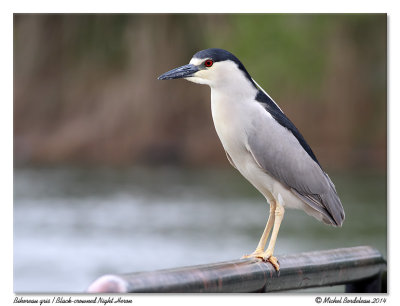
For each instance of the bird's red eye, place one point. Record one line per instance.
(208, 63)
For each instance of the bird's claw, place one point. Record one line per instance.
(266, 257)
(274, 261)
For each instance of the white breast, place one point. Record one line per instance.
(230, 126)
(233, 115)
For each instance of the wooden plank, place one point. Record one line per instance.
(297, 271)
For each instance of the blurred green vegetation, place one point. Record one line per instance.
(85, 88)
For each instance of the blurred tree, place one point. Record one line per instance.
(85, 88)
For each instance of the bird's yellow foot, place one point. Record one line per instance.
(265, 256)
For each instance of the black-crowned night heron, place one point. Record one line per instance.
(262, 144)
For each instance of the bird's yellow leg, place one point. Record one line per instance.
(258, 253)
(267, 256)
(277, 212)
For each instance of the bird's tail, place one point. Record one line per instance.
(334, 207)
(326, 206)
(333, 204)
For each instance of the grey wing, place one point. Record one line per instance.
(282, 156)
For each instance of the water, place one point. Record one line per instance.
(73, 225)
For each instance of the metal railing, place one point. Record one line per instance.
(359, 268)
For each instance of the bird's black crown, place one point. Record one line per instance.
(217, 55)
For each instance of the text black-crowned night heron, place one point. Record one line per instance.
(262, 144)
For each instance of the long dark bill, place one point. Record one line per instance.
(180, 72)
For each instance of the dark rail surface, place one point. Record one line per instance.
(360, 268)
